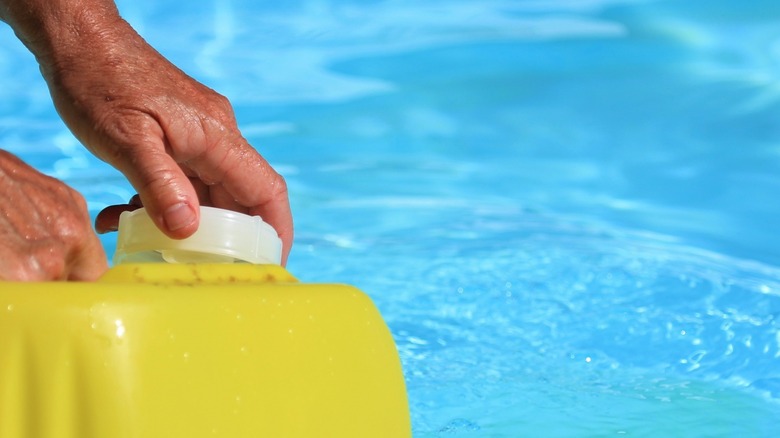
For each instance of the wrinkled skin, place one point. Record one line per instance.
(175, 139)
(45, 229)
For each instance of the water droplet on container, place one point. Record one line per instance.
(120, 328)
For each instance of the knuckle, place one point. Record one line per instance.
(79, 200)
(279, 185)
(69, 226)
(222, 104)
(121, 124)
(49, 263)
(156, 179)
(70, 230)
(124, 130)
(218, 114)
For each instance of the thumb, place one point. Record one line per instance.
(165, 191)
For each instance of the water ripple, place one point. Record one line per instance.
(540, 307)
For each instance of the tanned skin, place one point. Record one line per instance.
(175, 140)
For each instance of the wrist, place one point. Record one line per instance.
(58, 30)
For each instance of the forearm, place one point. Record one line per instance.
(131, 107)
(52, 29)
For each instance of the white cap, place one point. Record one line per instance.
(223, 236)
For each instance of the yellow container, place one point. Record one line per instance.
(234, 350)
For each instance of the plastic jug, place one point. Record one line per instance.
(196, 350)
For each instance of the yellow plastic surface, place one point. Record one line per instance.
(196, 351)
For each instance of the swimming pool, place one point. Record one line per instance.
(565, 210)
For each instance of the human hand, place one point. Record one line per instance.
(45, 231)
(175, 140)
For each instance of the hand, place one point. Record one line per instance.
(176, 140)
(45, 231)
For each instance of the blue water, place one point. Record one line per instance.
(565, 210)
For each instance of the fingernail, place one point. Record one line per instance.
(178, 216)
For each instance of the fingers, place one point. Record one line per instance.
(277, 213)
(248, 180)
(90, 263)
(45, 232)
(163, 188)
(87, 260)
(108, 218)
